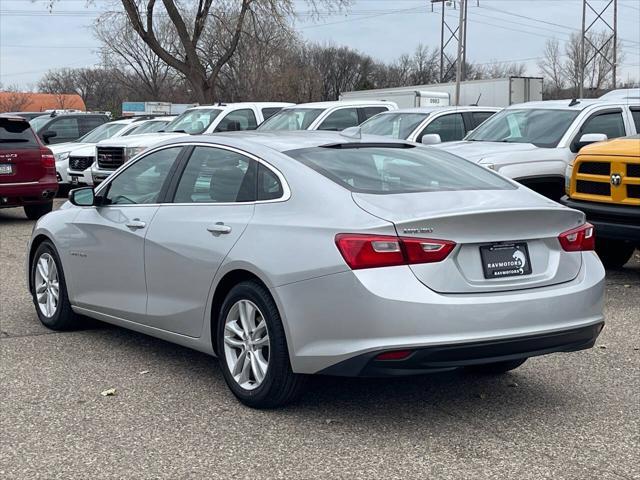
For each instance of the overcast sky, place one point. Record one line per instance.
(32, 40)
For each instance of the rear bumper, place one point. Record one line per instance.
(619, 222)
(445, 357)
(27, 193)
(335, 318)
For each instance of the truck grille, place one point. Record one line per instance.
(633, 170)
(595, 168)
(593, 188)
(110, 158)
(606, 179)
(80, 163)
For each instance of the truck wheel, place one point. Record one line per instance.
(614, 253)
(34, 212)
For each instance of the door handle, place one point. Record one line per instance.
(219, 228)
(135, 224)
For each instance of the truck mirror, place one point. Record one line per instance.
(431, 139)
(589, 138)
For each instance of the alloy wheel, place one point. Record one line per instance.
(47, 285)
(246, 344)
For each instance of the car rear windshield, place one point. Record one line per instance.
(543, 128)
(396, 125)
(397, 169)
(16, 133)
(291, 119)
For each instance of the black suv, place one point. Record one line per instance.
(55, 128)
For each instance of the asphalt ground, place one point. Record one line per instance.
(562, 416)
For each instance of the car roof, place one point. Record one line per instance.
(282, 141)
(452, 108)
(579, 105)
(241, 104)
(341, 103)
(13, 117)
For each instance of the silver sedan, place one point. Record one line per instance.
(287, 254)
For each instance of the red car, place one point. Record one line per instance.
(27, 169)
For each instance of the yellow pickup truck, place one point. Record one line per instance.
(604, 183)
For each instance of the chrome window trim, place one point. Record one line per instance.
(286, 191)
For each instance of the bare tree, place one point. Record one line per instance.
(189, 21)
(136, 66)
(552, 67)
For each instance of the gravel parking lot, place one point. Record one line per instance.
(561, 416)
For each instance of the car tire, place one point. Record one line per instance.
(238, 355)
(496, 368)
(614, 254)
(60, 316)
(34, 212)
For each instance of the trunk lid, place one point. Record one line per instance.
(494, 219)
(20, 152)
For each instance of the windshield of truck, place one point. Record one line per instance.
(193, 121)
(396, 125)
(292, 119)
(104, 131)
(543, 128)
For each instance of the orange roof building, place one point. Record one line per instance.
(39, 102)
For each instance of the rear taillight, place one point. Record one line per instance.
(370, 251)
(578, 239)
(47, 158)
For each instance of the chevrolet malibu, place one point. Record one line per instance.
(303, 253)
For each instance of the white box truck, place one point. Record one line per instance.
(495, 92)
(405, 97)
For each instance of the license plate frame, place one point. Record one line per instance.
(504, 260)
(6, 169)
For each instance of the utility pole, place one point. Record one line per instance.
(461, 35)
(601, 50)
(449, 33)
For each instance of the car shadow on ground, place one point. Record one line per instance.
(349, 399)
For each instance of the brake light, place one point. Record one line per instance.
(578, 239)
(371, 251)
(47, 158)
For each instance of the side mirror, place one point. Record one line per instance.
(431, 139)
(82, 197)
(589, 138)
(46, 136)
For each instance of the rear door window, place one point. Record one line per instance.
(16, 134)
(367, 112)
(635, 114)
(269, 112)
(340, 119)
(611, 124)
(216, 175)
(449, 127)
(238, 120)
(88, 123)
(480, 117)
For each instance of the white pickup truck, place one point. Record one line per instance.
(535, 142)
(110, 154)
